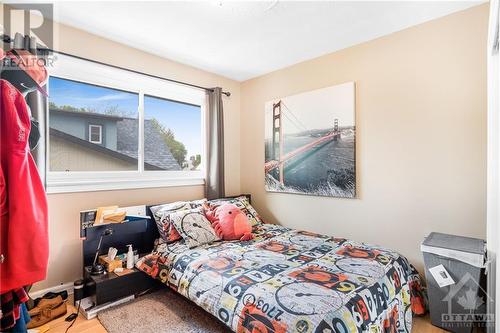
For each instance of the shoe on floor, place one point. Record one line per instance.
(50, 295)
(47, 310)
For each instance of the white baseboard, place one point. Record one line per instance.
(68, 286)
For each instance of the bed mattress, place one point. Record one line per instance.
(288, 280)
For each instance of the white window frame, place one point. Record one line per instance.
(100, 133)
(82, 181)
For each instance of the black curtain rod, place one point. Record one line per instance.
(7, 39)
(227, 93)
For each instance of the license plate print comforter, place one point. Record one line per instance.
(287, 280)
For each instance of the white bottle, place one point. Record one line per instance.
(130, 257)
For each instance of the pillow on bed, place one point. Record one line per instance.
(194, 227)
(162, 214)
(230, 223)
(240, 202)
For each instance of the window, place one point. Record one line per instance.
(95, 134)
(113, 129)
(172, 136)
(91, 128)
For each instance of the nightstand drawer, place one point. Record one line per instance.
(111, 287)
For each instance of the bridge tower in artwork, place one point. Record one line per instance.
(277, 152)
(336, 132)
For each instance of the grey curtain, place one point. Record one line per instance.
(38, 106)
(215, 187)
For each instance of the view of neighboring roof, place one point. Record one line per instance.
(89, 145)
(157, 154)
(86, 114)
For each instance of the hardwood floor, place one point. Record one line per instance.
(420, 325)
(423, 325)
(81, 324)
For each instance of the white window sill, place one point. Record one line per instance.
(65, 186)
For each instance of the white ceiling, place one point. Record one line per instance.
(242, 40)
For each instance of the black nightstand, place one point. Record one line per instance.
(110, 287)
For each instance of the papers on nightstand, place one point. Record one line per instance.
(95, 217)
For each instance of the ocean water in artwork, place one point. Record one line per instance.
(311, 159)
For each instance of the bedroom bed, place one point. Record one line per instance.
(287, 280)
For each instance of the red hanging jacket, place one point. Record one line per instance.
(23, 203)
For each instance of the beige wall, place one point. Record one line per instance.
(65, 244)
(421, 136)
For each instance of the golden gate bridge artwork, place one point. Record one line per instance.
(306, 160)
